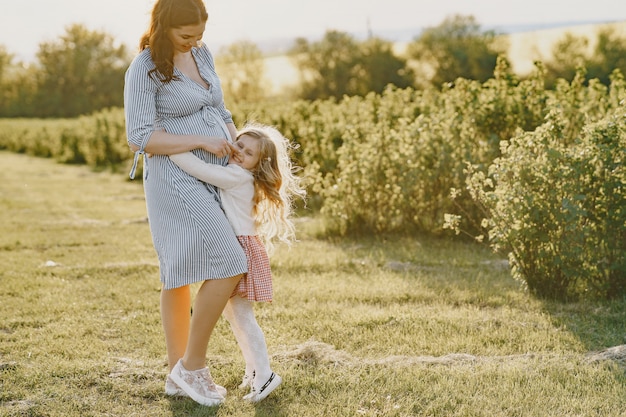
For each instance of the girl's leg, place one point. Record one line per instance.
(241, 314)
(208, 306)
(242, 340)
(175, 316)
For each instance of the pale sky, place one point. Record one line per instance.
(25, 24)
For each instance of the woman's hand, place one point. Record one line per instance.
(219, 146)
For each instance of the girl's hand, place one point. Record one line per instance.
(220, 147)
(234, 151)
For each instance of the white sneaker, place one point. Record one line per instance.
(174, 390)
(197, 384)
(261, 393)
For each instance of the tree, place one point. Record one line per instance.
(327, 66)
(81, 73)
(5, 62)
(568, 54)
(242, 72)
(457, 48)
(17, 86)
(381, 67)
(339, 65)
(572, 52)
(609, 54)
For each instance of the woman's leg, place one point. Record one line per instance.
(175, 316)
(208, 306)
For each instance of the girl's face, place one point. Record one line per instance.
(249, 152)
(185, 37)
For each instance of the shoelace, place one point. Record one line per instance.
(201, 377)
(269, 381)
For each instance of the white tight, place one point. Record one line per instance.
(240, 314)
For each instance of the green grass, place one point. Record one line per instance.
(402, 326)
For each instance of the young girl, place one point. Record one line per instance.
(256, 189)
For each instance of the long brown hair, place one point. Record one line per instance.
(168, 14)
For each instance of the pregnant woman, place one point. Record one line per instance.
(173, 103)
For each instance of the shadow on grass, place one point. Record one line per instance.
(597, 325)
(462, 273)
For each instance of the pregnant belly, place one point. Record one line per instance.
(204, 122)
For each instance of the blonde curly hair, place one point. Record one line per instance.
(275, 184)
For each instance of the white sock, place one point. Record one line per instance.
(240, 314)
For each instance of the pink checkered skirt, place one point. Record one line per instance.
(256, 285)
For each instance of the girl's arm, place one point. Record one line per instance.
(163, 143)
(217, 175)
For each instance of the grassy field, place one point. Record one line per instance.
(406, 326)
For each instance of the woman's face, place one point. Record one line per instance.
(249, 152)
(185, 37)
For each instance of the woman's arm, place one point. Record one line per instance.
(232, 130)
(140, 114)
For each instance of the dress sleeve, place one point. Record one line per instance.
(139, 105)
(220, 176)
(139, 102)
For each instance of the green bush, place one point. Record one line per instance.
(98, 140)
(404, 151)
(560, 209)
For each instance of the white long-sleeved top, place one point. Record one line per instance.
(236, 188)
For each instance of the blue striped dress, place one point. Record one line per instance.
(191, 235)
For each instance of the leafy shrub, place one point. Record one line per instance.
(98, 140)
(403, 151)
(560, 209)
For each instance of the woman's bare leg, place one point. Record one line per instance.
(175, 316)
(208, 306)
